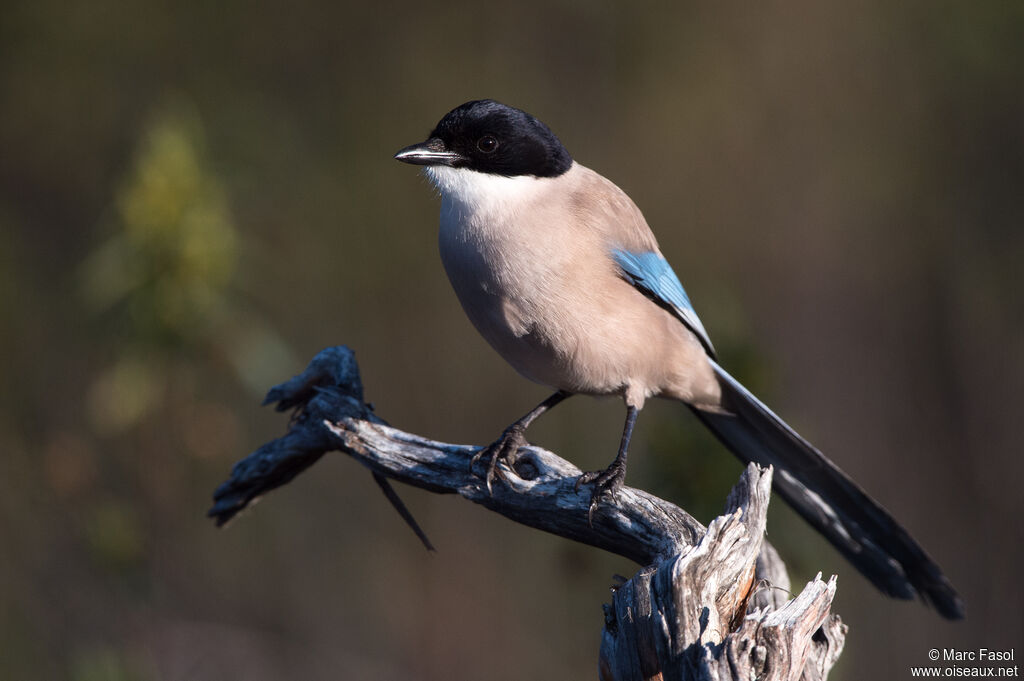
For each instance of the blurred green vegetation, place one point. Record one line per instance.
(161, 278)
(174, 248)
(195, 198)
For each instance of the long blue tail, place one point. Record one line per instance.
(864, 532)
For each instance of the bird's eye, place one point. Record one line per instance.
(487, 144)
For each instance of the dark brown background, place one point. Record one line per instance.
(195, 197)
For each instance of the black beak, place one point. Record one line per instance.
(433, 152)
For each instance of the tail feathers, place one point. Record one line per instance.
(857, 525)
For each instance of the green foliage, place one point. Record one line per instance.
(168, 264)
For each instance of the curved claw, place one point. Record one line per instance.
(505, 447)
(606, 482)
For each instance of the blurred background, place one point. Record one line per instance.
(196, 197)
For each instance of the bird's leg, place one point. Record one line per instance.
(610, 480)
(514, 437)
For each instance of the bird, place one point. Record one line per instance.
(558, 270)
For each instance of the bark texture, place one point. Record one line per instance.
(708, 603)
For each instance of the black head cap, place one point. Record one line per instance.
(491, 137)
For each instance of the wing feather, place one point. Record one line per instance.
(651, 274)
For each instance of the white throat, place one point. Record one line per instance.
(475, 192)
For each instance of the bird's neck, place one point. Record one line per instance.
(485, 195)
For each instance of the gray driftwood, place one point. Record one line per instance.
(708, 603)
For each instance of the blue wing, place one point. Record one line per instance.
(653, 276)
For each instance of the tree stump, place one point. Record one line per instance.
(709, 603)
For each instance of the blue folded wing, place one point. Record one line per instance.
(653, 276)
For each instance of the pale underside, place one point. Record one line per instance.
(531, 262)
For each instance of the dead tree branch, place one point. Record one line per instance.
(704, 606)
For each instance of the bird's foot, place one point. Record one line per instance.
(606, 483)
(502, 449)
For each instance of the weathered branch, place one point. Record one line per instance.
(707, 605)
